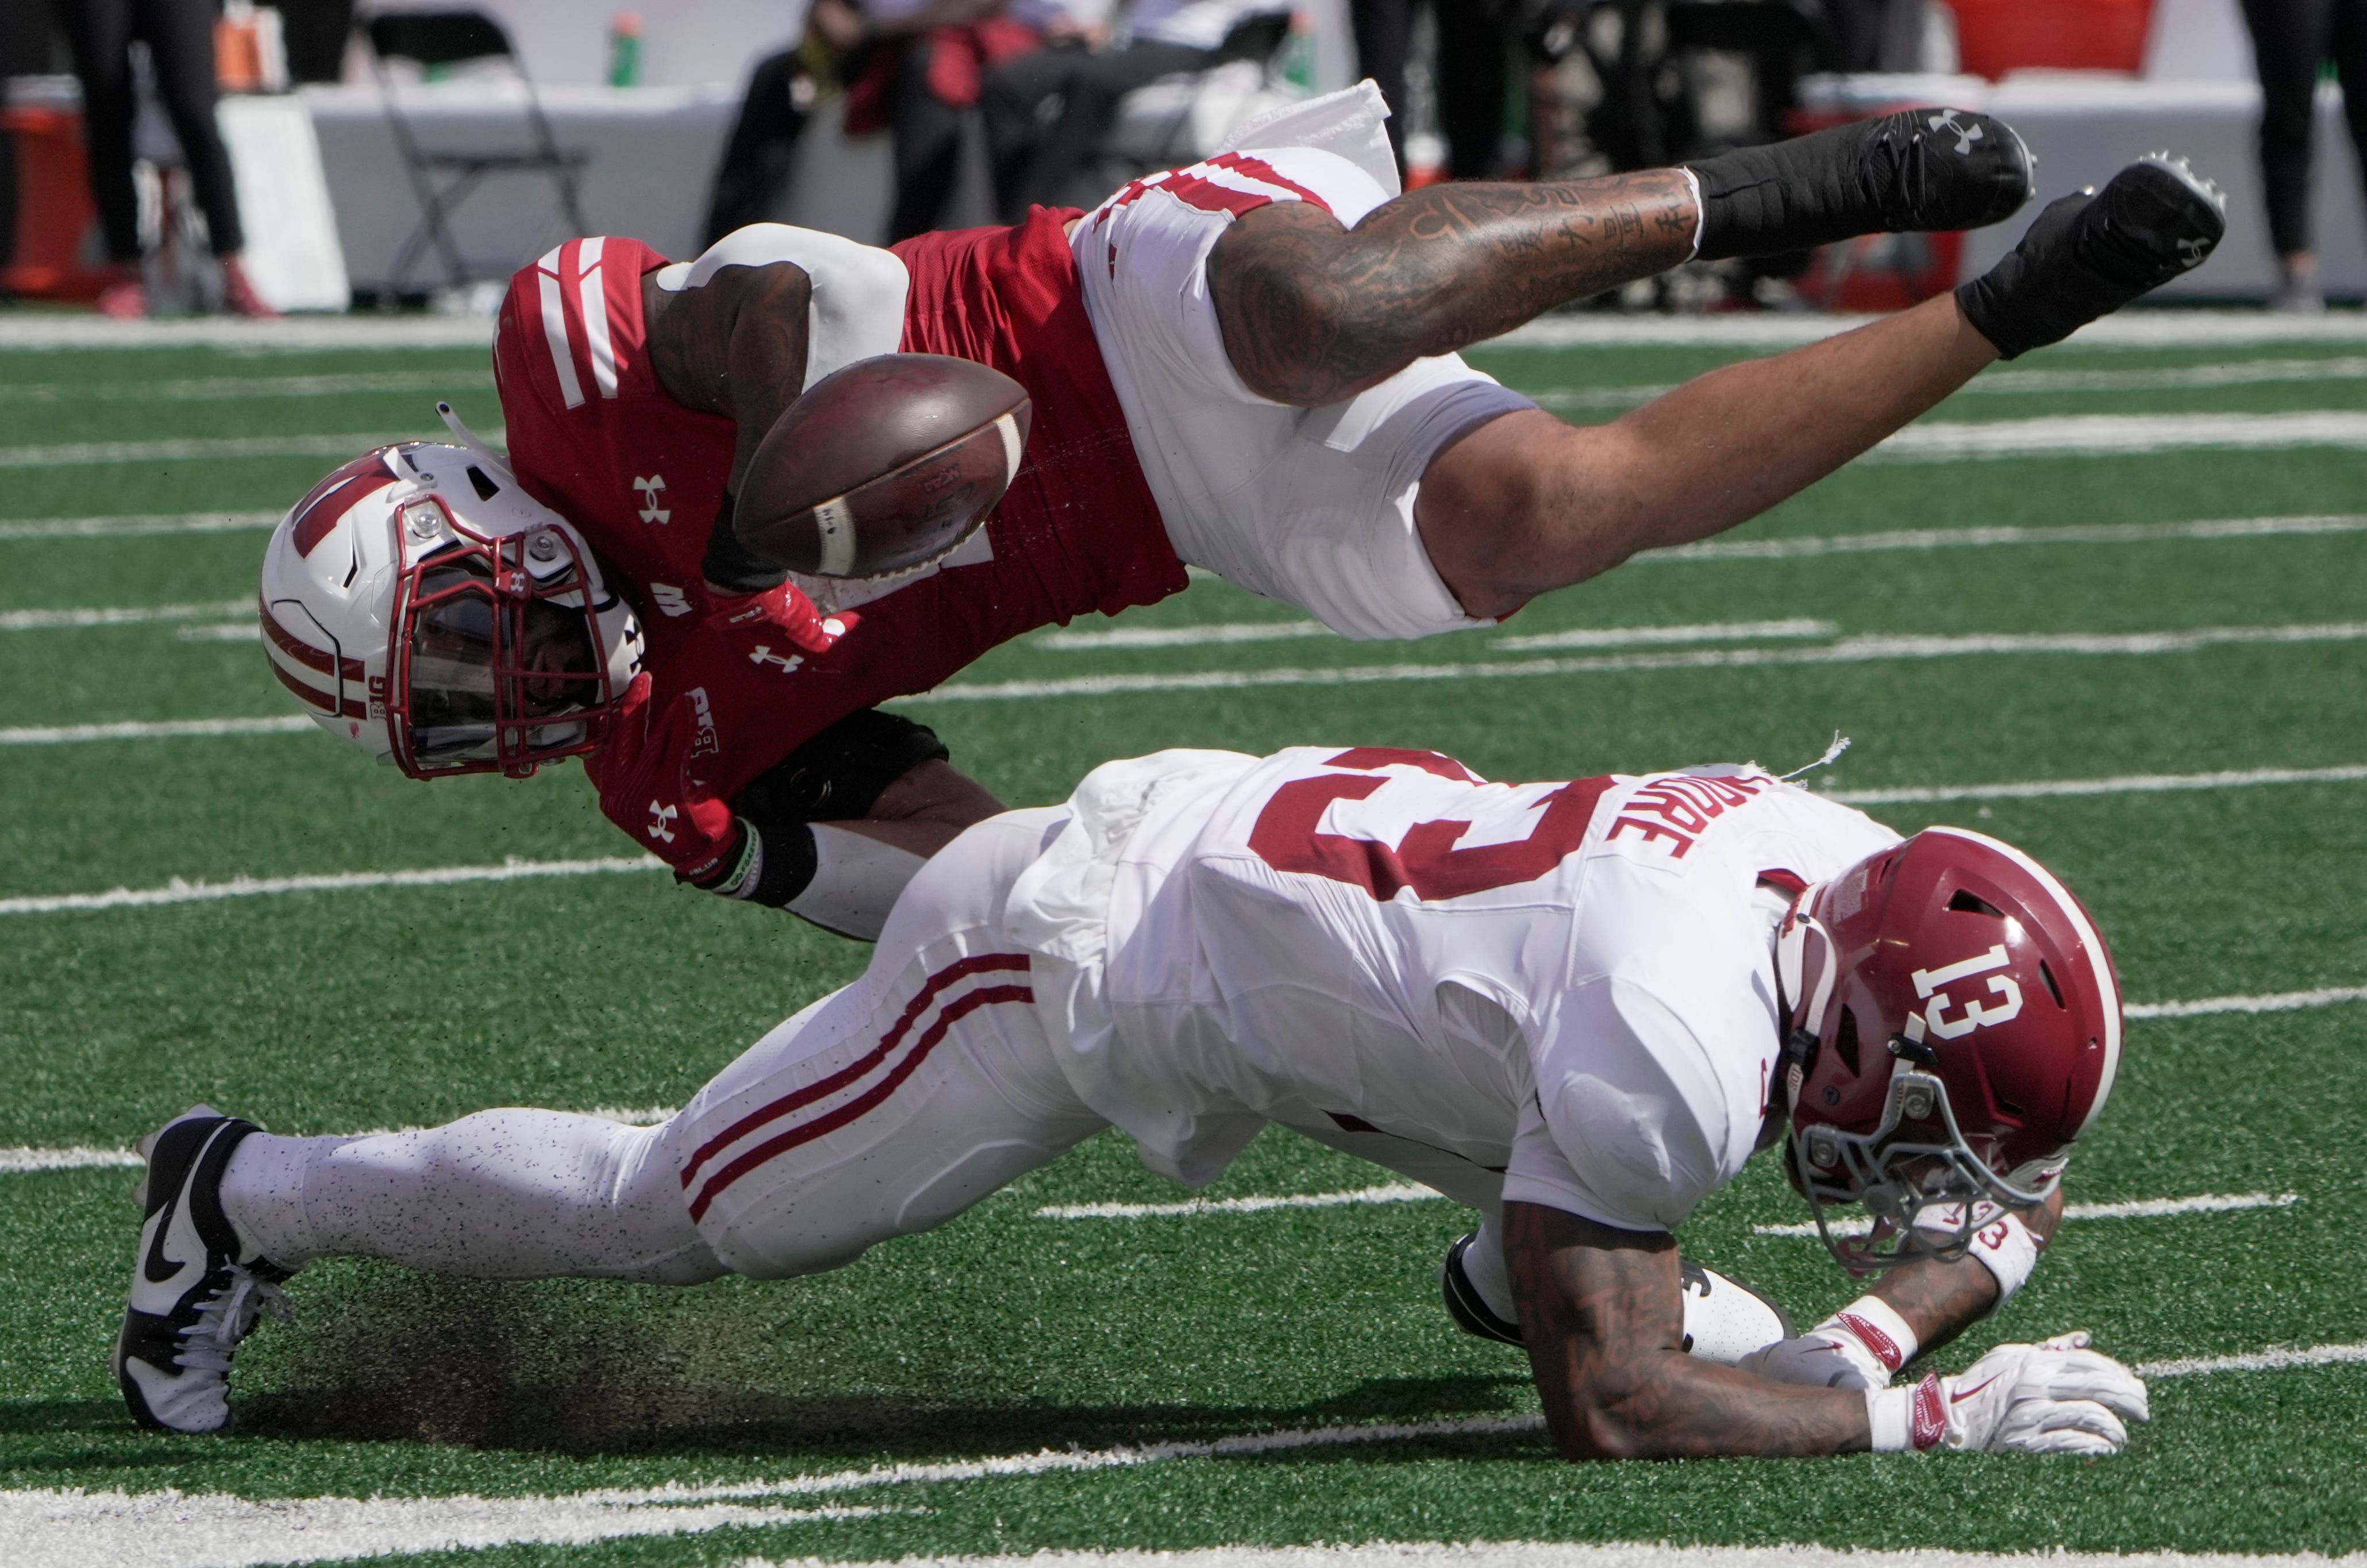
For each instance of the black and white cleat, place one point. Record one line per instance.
(194, 1296)
(2088, 254)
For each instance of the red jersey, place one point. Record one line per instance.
(594, 436)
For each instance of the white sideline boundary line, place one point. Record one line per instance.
(1867, 648)
(2135, 1209)
(136, 525)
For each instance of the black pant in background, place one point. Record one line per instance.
(1473, 38)
(764, 145)
(1048, 113)
(180, 39)
(2291, 38)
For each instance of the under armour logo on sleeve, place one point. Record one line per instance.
(660, 820)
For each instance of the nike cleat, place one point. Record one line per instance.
(2088, 254)
(1916, 171)
(194, 1295)
(1464, 1302)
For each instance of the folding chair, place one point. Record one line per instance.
(443, 180)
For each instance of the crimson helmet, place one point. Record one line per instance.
(423, 606)
(1955, 1025)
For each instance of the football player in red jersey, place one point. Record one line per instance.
(1248, 365)
(1579, 1008)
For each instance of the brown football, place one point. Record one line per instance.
(884, 465)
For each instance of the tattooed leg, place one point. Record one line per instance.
(1525, 504)
(1314, 311)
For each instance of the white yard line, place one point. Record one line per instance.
(2038, 381)
(209, 388)
(2111, 434)
(180, 892)
(1214, 632)
(119, 615)
(289, 333)
(152, 729)
(2130, 328)
(208, 449)
(1869, 648)
(230, 631)
(1989, 536)
(2136, 1209)
(72, 1529)
(2280, 1001)
(2127, 783)
(202, 1529)
(135, 526)
(1644, 637)
(1573, 1554)
(1400, 1192)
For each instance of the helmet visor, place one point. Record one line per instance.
(498, 670)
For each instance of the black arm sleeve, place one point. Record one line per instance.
(731, 564)
(840, 774)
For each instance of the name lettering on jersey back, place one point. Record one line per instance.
(1670, 813)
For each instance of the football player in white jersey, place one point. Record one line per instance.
(1577, 1006)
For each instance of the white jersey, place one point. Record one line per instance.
(1569, 984)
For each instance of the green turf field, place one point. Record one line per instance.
(1921, 607)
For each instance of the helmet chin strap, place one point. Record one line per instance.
(1804, 969)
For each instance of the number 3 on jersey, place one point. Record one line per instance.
(1426, 859)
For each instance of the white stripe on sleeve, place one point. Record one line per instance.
(554, 329)
(596, 317)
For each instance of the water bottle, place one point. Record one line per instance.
(625, 49)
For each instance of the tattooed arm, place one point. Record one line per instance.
(1939, 1301)
(733, 346)
(1313, 312)
(1602, 1316)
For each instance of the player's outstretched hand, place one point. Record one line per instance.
(782, 610)
(2059, 1397)
(643, 775)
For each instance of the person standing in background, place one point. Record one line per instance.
(764, 143)
(1474, 37)
(180, 39)
(2291, 39)
(1048, 113)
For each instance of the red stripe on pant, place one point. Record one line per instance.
(789, 1104)
(959, 1007)
(1259, 169)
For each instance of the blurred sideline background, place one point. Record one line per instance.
(400, 158)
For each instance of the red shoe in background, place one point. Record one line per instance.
(125, 298)
(239, 297)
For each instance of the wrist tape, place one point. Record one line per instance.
(1908, 1420)
(2008, 1250)
(1872, 1323)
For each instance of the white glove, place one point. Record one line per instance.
(2059, 1397)
(1858, 1347)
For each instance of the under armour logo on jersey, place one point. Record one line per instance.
(670, 599)
(1966, 134)
(650, 511)
(661, 822)
(764, 655)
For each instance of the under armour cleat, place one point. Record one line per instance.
(2088, 254)
(1916, 171)
(1466, 1304)
(194, 1295)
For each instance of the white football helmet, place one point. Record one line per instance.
(423, 606)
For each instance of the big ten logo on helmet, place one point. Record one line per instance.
(707, 743)
(1670, 813)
